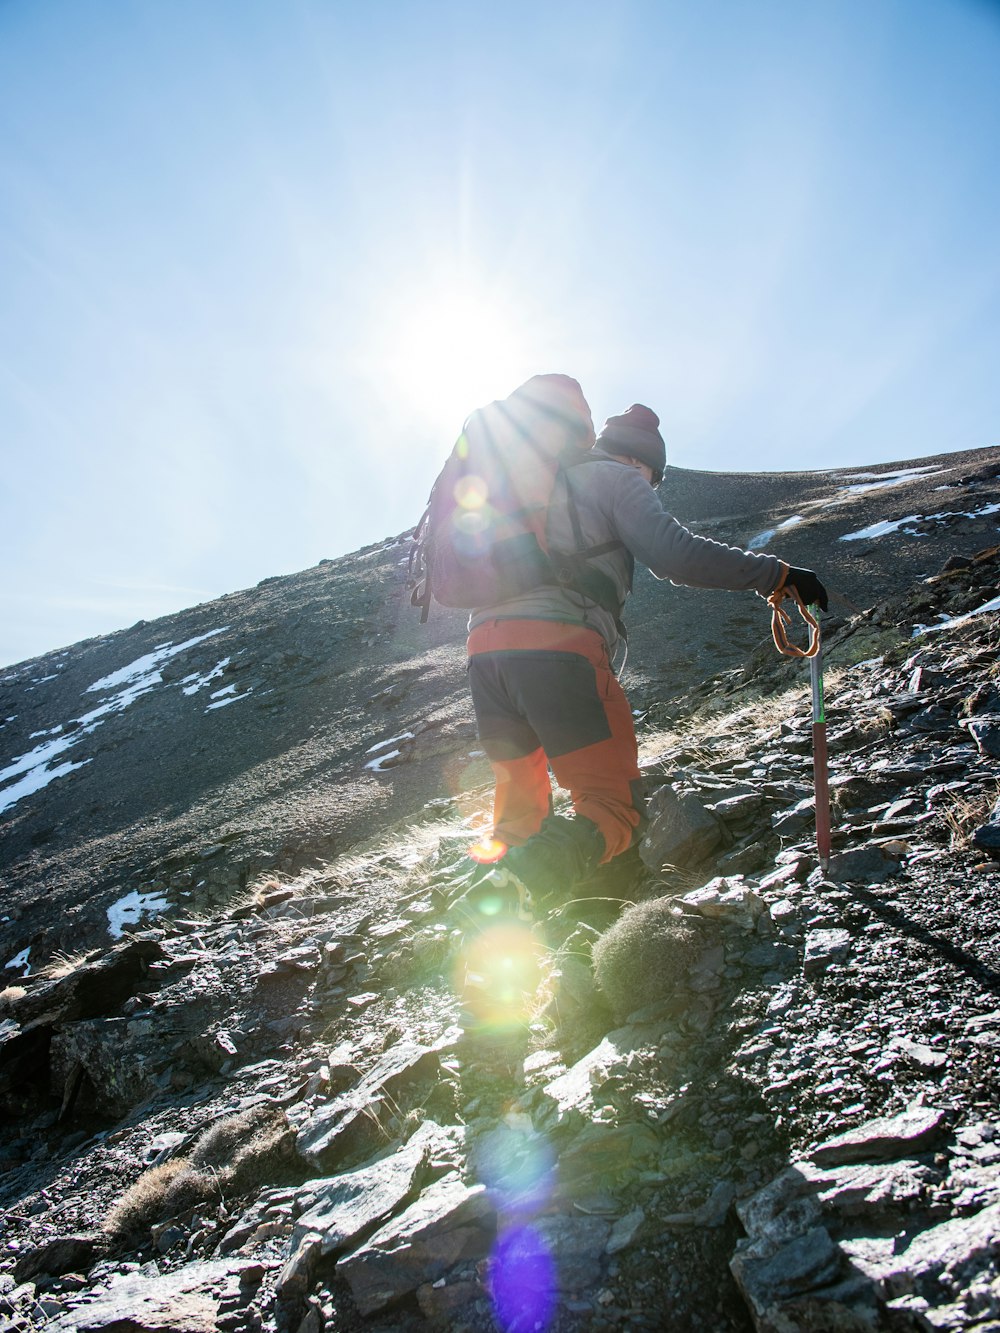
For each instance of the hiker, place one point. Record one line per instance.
(539, 662)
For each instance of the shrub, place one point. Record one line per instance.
(644, 956)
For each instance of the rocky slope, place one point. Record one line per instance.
(762, 1096)
(277, 726)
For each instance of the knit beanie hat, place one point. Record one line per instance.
(635, 434)
(558, 396)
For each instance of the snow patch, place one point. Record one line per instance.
(881, 481)
(34, 781)
(21, 960)
(881, 529)
(393, 740)
(763, 538)
(39, 757)
(128, 910)
(193, 683)
(144, 667)
(52, 731)
(383, 761)
(947, 622)
(226, 696)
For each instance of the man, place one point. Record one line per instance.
(540, 670)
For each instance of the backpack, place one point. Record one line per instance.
(482, 538)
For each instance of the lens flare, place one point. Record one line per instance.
(522, 1281)
(463, 776)
(469, 526)
(487, 851)
(497, 974)
(518, 1167)
(471, 492)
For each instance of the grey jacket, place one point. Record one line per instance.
(614, 502)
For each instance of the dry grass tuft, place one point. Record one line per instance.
(10, 995)
(876, 725)
(730, 732)
(239, 1153)
(63, 964)
(403, 861)
(966, 814)
(147, 1200)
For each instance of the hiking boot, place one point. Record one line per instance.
(552, 862)
(496, 895)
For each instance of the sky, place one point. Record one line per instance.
(259, 260)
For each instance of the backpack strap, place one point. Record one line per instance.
(574, 569)
(418, 576)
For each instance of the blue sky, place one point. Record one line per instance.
(260, 259)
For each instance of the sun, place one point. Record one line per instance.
(454, 349)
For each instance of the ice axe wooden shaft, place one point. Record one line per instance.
(820, 765)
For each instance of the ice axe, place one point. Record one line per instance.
(821, 783)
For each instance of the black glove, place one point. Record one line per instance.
(808, 586)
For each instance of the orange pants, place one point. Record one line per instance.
(545, 696)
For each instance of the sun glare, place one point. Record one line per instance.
(455, 350)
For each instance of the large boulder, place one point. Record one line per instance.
(681, 831)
